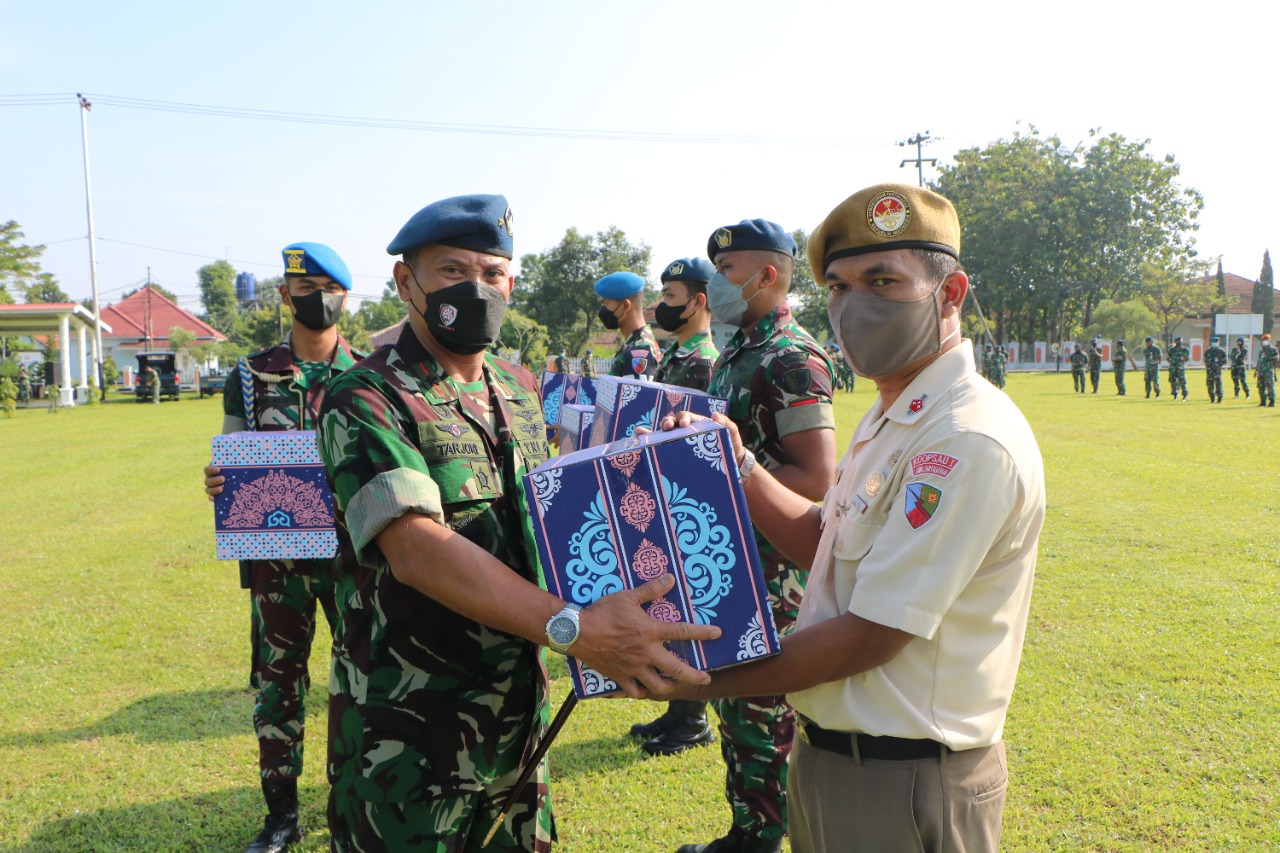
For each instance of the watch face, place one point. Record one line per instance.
(562, 630)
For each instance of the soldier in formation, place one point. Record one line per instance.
(588, 365)
(1265, 372)
(1000, 363)
(1178, 356)
(271, 390)
(1079, 361)
(988, 369)
(622, 309)
(1119, 363)
(1240, 368)
(1095, 364)
(1151, 367)
(1215, 358)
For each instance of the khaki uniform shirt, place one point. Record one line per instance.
(931, 529)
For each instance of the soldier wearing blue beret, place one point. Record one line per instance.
(438, 687)
(622, 309)
(275, 389)
(778, 381)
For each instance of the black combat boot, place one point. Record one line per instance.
(281, 826)
(689, 729)
(736, 841)
(652, 729)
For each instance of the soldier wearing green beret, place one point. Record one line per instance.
(439, 688)
(903, 659)
(622, 309)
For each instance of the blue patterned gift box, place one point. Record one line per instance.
(575, 427)
(561, 388)
(275, 504)
(614, 517)
(622, 404)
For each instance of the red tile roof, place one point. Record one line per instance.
(129, 317)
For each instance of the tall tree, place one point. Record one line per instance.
(386, 311)
(218, 293)
(1222, 281)
(1264, 294)
(808, 297)
(1048, 231)
(181, 340)
(1172, 294)
(524, 334)
(1122, 321)
(19, 263)
(555, 286)
(45, 289)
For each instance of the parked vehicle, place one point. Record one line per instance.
(164, 363)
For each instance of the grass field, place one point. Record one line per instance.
(1144, 717)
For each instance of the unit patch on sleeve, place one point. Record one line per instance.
(938, 464)
(921, 503)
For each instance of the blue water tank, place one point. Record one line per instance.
(246, 286)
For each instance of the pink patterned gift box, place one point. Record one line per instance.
(614, 517)
(622, 404)
(275, 504)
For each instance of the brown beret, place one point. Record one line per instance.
(883, 217)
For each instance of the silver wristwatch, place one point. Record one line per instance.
(746, 466)
(562, 629)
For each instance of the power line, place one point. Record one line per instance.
(432, 127)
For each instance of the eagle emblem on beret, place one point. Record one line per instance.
(888, 214)
(293, 261)
(724, 238)
(447, 315)
(675, 269)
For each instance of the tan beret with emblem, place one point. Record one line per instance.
(884, 217)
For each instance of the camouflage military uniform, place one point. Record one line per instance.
(431, 714)
(588, 367)
(1215, 358)
(1095, 366)
(689, 365)
(24, 386)
(1266, 374)
(1119, 363)
(1178, 357)
(999, 360)
(1151, 369)
(561, 365)
(1240, 370)
(987, 371)
(1078, 363)
(283, 593)
(638, 355)
(778, 382)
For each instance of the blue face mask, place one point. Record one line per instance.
(725, 299)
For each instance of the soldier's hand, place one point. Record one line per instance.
(213, 481)
(619, 639)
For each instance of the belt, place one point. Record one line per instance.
(879, 748)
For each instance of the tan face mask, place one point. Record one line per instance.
(879, 336)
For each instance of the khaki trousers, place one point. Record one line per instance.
(951, 804)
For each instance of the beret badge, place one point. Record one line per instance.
(724, 238)
(888, 214)
(293, 261)
(675, 269)
(507, 222)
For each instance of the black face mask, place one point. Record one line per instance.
(668, 316)
(317, 310)
(466, 317)
(607, 318)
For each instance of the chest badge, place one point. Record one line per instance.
(874, 482)
(455, 430)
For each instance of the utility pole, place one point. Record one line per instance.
(85, 106)
(147, 330)
(918, 141)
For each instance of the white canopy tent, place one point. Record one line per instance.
(59, 317)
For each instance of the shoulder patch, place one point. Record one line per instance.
(796, 381)
(922, 501)
(938, 464)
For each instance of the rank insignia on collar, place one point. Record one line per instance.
(293, 260)
(724, 238)
(917, 404)
(455, 430)
(675, 269)
(921, 503)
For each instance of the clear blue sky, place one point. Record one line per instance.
(833, 86)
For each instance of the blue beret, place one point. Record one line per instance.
(751, 234)
(619, 285)
(315, 259)
(688, 269)
(481, 223)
